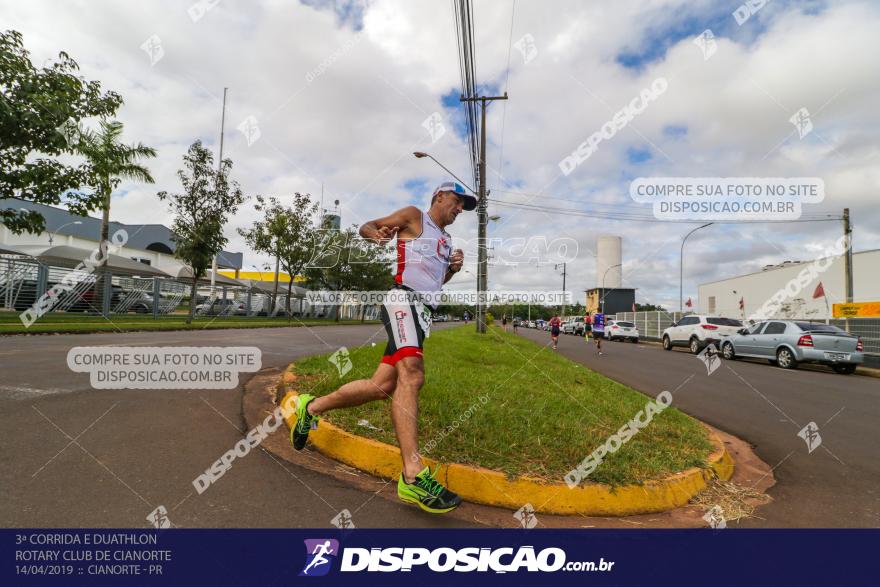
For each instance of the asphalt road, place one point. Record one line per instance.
(74, 456)
(835, 485)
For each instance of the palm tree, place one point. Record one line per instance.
(112, 162)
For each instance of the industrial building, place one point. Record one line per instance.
(150, 244)
(801, 301)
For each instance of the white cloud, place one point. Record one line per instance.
(354, 126)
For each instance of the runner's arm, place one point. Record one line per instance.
(455, 263)
(382, 230)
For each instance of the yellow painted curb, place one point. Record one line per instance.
(479, 485)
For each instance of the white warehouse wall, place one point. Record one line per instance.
(757, 288)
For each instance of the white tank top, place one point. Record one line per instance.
(422, 262)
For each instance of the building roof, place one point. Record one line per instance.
(146, 237)
(66, 256)
(785, 265)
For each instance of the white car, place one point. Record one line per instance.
(621, 330)
(698, 331)
(574, 325)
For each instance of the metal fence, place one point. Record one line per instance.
(652, 324)
(867, 328)
(24, 282)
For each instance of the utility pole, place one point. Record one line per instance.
(847, 262)
(482, 215)
(556, 267)
(219, 167)
(847, 232)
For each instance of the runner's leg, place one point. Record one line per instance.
(404, 413)
(354, 393)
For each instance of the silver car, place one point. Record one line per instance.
(789, 342)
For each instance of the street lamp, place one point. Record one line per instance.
(421, 154)
(52, 233)
(681, 267)
(603, 284)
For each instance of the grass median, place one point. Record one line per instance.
(542, 414)
(62, 323)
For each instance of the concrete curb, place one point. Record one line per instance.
(485, 486)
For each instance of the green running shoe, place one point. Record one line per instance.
(299, 433)
(428, 493)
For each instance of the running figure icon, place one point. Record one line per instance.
(319, 552)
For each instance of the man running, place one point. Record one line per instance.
(598, 323)
(425, 261)
(555, 323)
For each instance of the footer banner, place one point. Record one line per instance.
(268, 557)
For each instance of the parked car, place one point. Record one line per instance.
(698, 331)
(220, 307)
(574, 326)
(621, 330)
(787, 343)
(84, 300)
(532, 324)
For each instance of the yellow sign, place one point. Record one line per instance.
(268, 276)
(857, 310)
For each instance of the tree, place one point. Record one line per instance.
(286, 233)
(110, 162)
(201, 211)
(37, 108)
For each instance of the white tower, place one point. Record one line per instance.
(609, 256)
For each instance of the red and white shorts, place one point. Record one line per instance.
(407, 323)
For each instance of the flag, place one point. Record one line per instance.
(689, 303)
(820, 291)
(634, 306)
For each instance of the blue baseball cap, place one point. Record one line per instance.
(470, 202)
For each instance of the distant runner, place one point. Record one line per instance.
(425, 261)
(598, 326)
(555, 323)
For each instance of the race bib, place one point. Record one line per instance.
(424, 314)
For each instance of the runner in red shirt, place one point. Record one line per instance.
(555, 323)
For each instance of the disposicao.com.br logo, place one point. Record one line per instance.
(320, 553)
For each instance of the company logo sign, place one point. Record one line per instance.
(320, 554)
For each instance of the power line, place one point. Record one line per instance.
(618, 207)
(506, 88)
(465, 41)
(637, 217)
